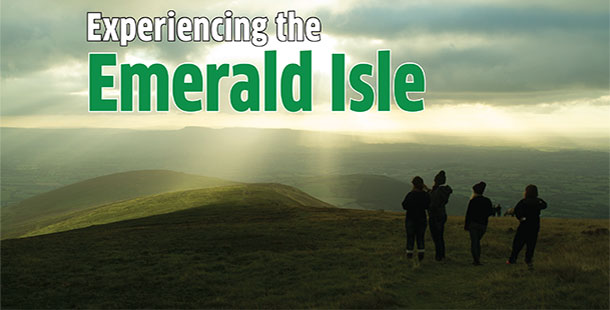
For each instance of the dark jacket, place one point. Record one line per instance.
(529, 208)
(439, 197)
(416, 203)
(479, 210)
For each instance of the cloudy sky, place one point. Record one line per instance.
(521, 72)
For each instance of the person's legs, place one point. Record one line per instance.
(436, 232)
(420, 234)
(441, 238)
(530, 241)
(518, 243)
(476, 233)
(481, 233)
(475, 247)
(410, 229)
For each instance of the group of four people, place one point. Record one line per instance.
(421, 199)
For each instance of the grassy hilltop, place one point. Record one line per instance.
(272, 246)
(46, 208)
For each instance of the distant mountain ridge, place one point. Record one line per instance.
(355, 191)
(573, 182)
(366, 191)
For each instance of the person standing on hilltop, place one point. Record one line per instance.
(415, 203)
(477, 216)
(527, 211)
(439, 196)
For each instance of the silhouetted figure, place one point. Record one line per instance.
(527, 212)
(498, 210)
(415, 203)
(439, 196)
(477, 215)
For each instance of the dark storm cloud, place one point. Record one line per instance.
(521, 49)
(387, 22)
(36, 35)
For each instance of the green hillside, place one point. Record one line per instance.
(43, 209)
(271, 246)
(175, 201)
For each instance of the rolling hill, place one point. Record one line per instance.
(43, 209)
(272, 246)
(274, 194)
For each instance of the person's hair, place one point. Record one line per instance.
(439, 179)
(418, 183)
(479, 188)
(531, 191)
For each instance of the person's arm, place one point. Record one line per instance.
(490, 208)
(542, 204)
(427, 201)
(405, 202)
(519, 212)
(468, 215)
(447, 191)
